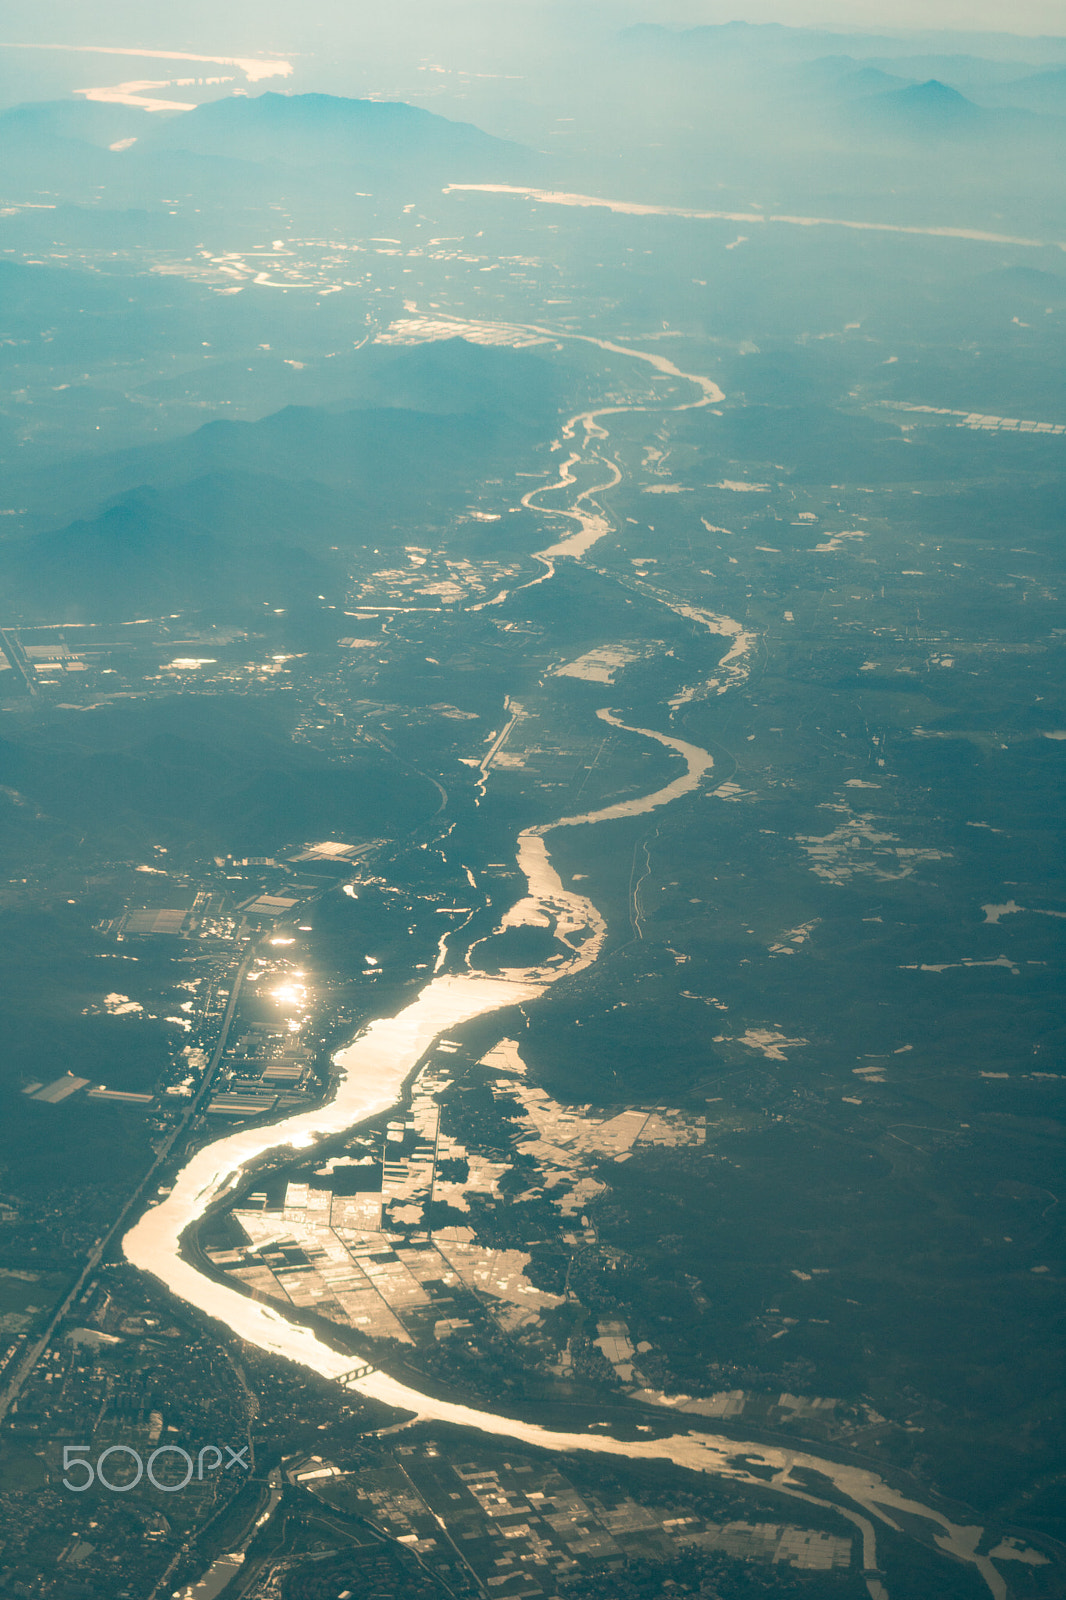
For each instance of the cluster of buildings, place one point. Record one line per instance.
(266, 1070)
(520, 1526)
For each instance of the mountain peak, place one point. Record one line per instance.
(934, 96)
(932, 91)
(931, 107)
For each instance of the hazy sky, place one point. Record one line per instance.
(1019, 16)
(362, 47)
(119, 19)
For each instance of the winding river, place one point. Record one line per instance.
(371, 1072)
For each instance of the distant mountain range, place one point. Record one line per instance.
(853, 66)
(256, 141)
(239, 513)
(858, 86)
